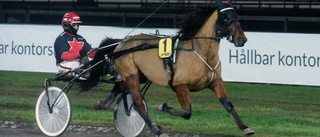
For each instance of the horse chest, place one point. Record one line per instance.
(192, 71)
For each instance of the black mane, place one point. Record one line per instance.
(190, 25)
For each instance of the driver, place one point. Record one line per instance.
(71, 49)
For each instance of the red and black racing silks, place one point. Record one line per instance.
(69, 47)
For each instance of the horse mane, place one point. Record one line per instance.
(191, 24)
(100, 70)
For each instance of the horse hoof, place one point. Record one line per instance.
(156, 129)
(163, 135)
(97, 106)
(248, 131)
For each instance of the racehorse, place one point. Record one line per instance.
(197, 63)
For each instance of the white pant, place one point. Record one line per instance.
(68, 65)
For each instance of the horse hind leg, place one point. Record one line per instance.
(219, 88)
(133, 83)
(184, 99)
(105, 104)
(186, 114)
(118, 88)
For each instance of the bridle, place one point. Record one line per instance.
(226, 18)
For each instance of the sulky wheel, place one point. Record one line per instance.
(128, 123)
(55, 121)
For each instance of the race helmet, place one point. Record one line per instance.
(70, 18)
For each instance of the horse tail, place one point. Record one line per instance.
(101, 69)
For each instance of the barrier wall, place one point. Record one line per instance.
(278, 58)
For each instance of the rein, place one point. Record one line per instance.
(212, 38)
(117, 43)
(222, 29)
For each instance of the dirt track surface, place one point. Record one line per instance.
(10, 132)
(13, 129)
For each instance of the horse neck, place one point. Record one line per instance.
(208, 48)
(208, 29)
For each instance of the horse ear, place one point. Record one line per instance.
(220, 4)
(230, 3)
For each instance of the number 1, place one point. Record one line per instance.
(165, 45)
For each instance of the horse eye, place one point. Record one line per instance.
(228, 19)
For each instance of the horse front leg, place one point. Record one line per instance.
(118, 88)
(183, 95)
(220, 90)
(133, 83)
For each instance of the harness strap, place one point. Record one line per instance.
(212, 69)
(171, 75)
(130, 50)
(192, 48)
(175, 51)
(170, 61)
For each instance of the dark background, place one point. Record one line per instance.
(298, 16)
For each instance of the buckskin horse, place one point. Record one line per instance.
(197, 63)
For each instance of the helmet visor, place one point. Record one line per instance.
(76, 22)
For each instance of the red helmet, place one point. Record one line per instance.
(69, 18)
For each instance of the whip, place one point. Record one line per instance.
(146, 18)
(132, 29)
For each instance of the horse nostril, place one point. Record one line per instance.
(241, 41)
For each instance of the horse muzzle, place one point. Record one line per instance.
(239, 42)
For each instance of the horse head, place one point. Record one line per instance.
(228, 24)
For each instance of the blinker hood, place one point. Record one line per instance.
(223, 6)
(221, 26)
(220, 5)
